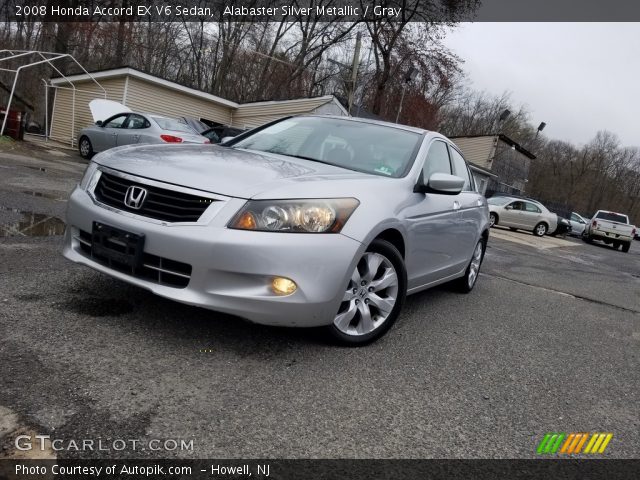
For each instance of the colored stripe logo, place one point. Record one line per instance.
(573, 443)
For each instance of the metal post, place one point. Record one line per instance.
(361, 90)
(354, 70)
(73, 116)
(6, 113)
(404, 87)
(46, 111)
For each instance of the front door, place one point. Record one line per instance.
(108, 135)
(436, 234)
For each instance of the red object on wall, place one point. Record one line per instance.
(15, 123)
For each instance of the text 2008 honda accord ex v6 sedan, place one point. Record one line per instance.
(307, 221)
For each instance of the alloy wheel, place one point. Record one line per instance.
(84, 147)
(474, 267)
(370, 297)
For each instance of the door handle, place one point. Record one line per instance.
(456, 205)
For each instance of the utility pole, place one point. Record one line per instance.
(354, 70)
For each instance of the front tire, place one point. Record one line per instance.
(466, 283)
(493, 219)
(85, 148)
(373, 297)
(540, 229)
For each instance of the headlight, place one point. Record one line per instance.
(89, 173)
(296, 216)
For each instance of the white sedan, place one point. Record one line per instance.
(521, 214)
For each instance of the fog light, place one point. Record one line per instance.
(283, 286)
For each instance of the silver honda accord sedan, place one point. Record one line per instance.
(307, 221)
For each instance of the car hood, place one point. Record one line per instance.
(232, 172)
(103, 109)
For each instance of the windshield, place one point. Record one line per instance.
(376, 149)
(612, 217)
(498, 200)
(173, 124)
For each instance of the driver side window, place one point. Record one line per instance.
(116, 122)
(437, 161)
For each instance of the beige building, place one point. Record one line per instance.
(498, 162)
(147, 93)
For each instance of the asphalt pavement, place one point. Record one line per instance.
(547, 342)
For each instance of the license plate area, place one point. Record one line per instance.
(115, 245)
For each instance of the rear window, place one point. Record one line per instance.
(173, 124)
(612, 217)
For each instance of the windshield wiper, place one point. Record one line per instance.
(306, 158)
(302, 157)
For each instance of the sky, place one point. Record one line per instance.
(577, 77)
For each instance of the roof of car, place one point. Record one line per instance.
(372, 122)
(517, 197)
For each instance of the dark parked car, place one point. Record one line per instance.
(222, 131)
(563, 229)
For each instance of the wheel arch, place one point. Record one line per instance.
(395, 238)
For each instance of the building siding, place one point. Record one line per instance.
(144, 96)
(478, 150)
(63, 120)
(251, 115)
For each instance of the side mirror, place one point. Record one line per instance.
(226, 139)
(441, 183)
(509, 207)
(99, 123)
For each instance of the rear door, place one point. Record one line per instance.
(472, 213)
(133, 129)
(531, 215)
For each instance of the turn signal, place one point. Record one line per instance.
(246, 221)
(283, 286)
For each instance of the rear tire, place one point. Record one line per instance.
(373, 297)
(466, 283)
(626, 246)
(540, 229)
(85, 148)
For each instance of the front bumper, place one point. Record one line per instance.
(231, 270)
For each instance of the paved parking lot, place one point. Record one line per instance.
(547, 342)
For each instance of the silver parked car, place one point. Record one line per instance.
(129, 128)
(308, 221)
(578, 224)
(521, 214)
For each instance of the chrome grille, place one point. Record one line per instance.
(160, 203)
(160, 270)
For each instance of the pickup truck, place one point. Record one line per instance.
(611, 228)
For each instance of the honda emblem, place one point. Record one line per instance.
(135, 196)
